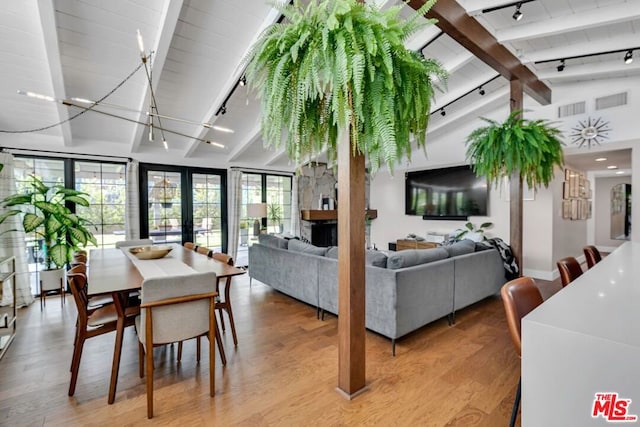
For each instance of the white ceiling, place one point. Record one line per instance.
(85, 48)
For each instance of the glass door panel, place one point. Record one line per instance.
(164, 191)
(207, 210)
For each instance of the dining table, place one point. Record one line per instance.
(118, 272)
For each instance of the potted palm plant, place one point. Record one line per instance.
(275, 216)
(44, 212)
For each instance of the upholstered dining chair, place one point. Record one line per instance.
(175, 309)
(592, 254)
(519, 297)
(91, 322)
(134, 242)
(569, 269)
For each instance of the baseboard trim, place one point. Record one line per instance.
(548, 275)
(352, 395)
(541, 274)
(607, 248)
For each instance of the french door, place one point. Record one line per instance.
(183, 204)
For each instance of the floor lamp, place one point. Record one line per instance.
(257, 211)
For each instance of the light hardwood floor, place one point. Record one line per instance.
(283, 372)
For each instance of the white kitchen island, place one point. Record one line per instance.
(585, 340)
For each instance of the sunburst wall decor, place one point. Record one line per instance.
(590, 131)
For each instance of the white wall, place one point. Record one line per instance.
(387, 196)
(547, 237)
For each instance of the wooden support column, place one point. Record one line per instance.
(351, 270)
(515, 187)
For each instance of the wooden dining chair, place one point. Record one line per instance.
(569, 269)
(224, 304)
(519, 297)
(190, 245)
(175, 309)
(592, 254)
(91, 322)
(202, 250)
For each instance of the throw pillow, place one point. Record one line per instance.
(411, 257)
(272, 241)
(299, 246)
(460, 248)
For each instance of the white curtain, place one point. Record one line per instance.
(132, 208)
(13, 243)
(234, 195)
(295, 209)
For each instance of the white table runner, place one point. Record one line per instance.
(167, 266)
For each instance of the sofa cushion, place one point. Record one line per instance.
(460, 248)
(411, 257)
(374, 258)
(302, 247)
(273, 241)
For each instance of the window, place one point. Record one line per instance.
(278, 204)
(105, 183)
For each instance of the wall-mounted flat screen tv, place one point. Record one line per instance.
(447, 193)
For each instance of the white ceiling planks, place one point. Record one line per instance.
(90, 46)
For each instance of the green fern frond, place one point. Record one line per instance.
(340, 64)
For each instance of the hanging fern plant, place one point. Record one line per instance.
(341, 65)
(530, 147)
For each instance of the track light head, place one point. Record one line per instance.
(222, 110)
(628, 57)
(243, 81)
(442, 112)
(560, 67)
(517, 15)
(481, 91)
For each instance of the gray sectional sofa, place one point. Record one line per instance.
(404, 291)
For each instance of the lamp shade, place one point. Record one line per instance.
(257, 210)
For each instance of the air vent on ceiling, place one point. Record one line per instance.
(611, 101)
(571, 109)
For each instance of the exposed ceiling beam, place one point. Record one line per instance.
(594, 17)
(423, 36)
(47, 15)
(169, 19)
(280, 153)
(593, 46)
(590, 71)
(210, 116)
(458, 62)
(252, 136)
(453, 20)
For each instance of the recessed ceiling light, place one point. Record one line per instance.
(601, 159)
(612, 167)
(619, 172)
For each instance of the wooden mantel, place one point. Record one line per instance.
(329, 215)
